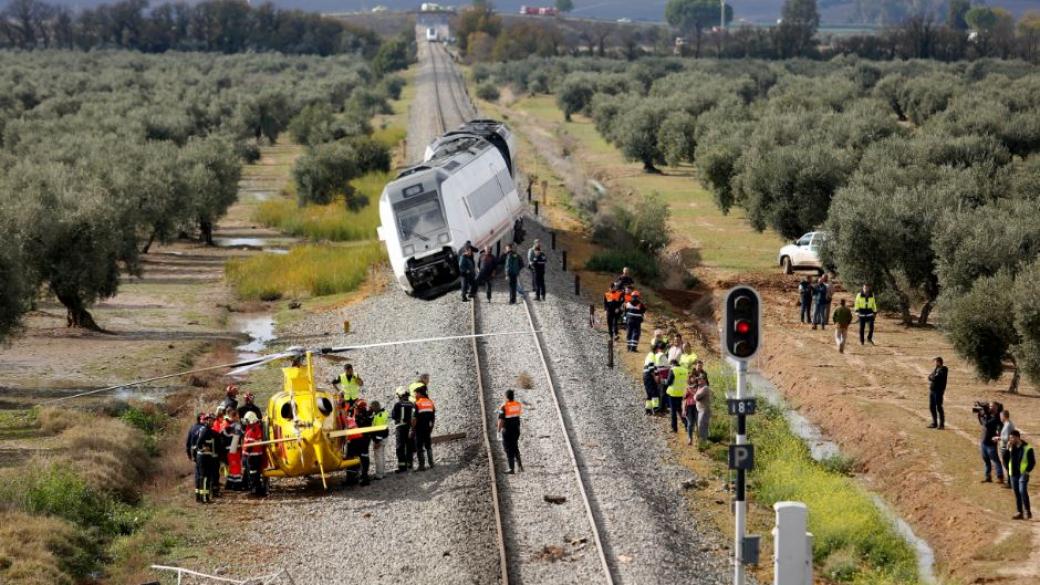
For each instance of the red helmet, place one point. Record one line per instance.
(360, 404)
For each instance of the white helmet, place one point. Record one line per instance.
(401, 392)
(250, 418)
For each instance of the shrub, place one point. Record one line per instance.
(324, 173)
(37, 550)
(488, 91)
(642, 265)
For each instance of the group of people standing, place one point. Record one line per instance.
(226, 440)
(814, 302)
(675, 381)
(1006, 452)
(479, 269)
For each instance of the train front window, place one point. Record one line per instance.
(420, 216)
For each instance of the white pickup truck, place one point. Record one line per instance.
(803, 254)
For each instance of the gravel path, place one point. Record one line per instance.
(546, 542)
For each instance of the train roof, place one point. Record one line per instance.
(452, 154)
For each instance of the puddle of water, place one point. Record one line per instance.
(281, 251)
(259, 328)
(240, 242)
(822, 448)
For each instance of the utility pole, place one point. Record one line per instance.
(722, 15)
(740, 341)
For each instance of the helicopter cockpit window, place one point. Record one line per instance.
(287, 411)
(325, 406)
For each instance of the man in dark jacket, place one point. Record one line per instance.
(468, 272)
(513, 265)
(486, 265)
(1023, 460)
(403, 415)
(805, 294)
(936, 389)
(612, 301)
(989, 419)
(634, 313)
(538, 262)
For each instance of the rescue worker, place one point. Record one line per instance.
(349, 384)
(358, 445)
(866, 309)
(425, 418)
(201, 424)
(509, 427)
(625, 280)
(513, 265)
(688, 356)
(1023, 460)
(254, 454)
(538, 261)
(403, 415)
(423, 381)
(379, 418)
(634, 311)
(231, 397)
(677, 379)
(651, 383)
(486, 265)
(219, 422)
(612, 308)
(345, 421)
(249, 406)
(468, 273)
(233, 439)
(207, 464)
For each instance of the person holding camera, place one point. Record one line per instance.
(1023, 460)
(989, 418)
(936, 389)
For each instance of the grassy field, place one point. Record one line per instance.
(308, 270)
(853, 542)
(721, 242)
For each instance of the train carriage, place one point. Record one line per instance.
(495, 132)
(463, 193)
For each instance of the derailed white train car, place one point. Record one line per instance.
(463, 194)
(495, 132)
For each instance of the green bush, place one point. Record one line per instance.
(488, 91)
(643, 266)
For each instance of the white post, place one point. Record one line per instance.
(792, 545)
(740, 505)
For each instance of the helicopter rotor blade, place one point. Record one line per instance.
(263, 361)
(249, 362)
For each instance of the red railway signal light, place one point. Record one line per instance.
(741, 333)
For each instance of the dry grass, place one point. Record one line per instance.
(524, 381)
(312, 270)
(54, 420)
(332, 222)
(35, 550)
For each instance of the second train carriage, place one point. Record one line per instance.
(463, 193)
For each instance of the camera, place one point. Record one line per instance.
(980, 408)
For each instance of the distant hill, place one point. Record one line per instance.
(834, 12)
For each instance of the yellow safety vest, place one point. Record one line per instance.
(380, 418)
(1022, 465)
(869, 303)
(686, 360)
(350, 388)
(678, 387)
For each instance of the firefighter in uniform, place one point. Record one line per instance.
(379, 418)
(254, 454)
(425, 417)
(677, 379)
(194, 432)
(612, 307)
(358, 445)
(349, 384)
(509, 427)
(207, 464)
(403, 415)
(634, 312)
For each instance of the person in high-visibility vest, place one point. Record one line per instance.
(688, 356)
(379, 418)
(676, 388)
(866, 310)
(612, 300)
(509, 426)
(651, 380)
(349, 384)
(425, 417)
(423, 381)
(1023, 460)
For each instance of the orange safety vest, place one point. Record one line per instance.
(424, 404)
(512, 409)
(628, 296)
(612, 296)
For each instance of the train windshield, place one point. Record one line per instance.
(420, 216)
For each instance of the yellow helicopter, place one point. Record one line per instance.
(300, 427)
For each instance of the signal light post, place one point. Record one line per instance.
(741, 336)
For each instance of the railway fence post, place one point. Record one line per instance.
(536, 208)
(577, 284)
(610, 352)
(564, 258)
(552, 239)
(592, 315)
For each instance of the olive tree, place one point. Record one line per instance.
(637, 134)
(980, 323)
(324, 173)
(15, 278)
(210, 171)
(1027, 319)
(575, 93)
(676, 138)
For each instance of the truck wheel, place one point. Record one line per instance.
(785, 264)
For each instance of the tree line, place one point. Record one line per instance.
(925, 174)
(104, 153)
(225, 26)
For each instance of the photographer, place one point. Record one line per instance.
(989, 418)
(1023, 460)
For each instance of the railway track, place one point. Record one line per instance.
(542, 516)
(451, 106)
